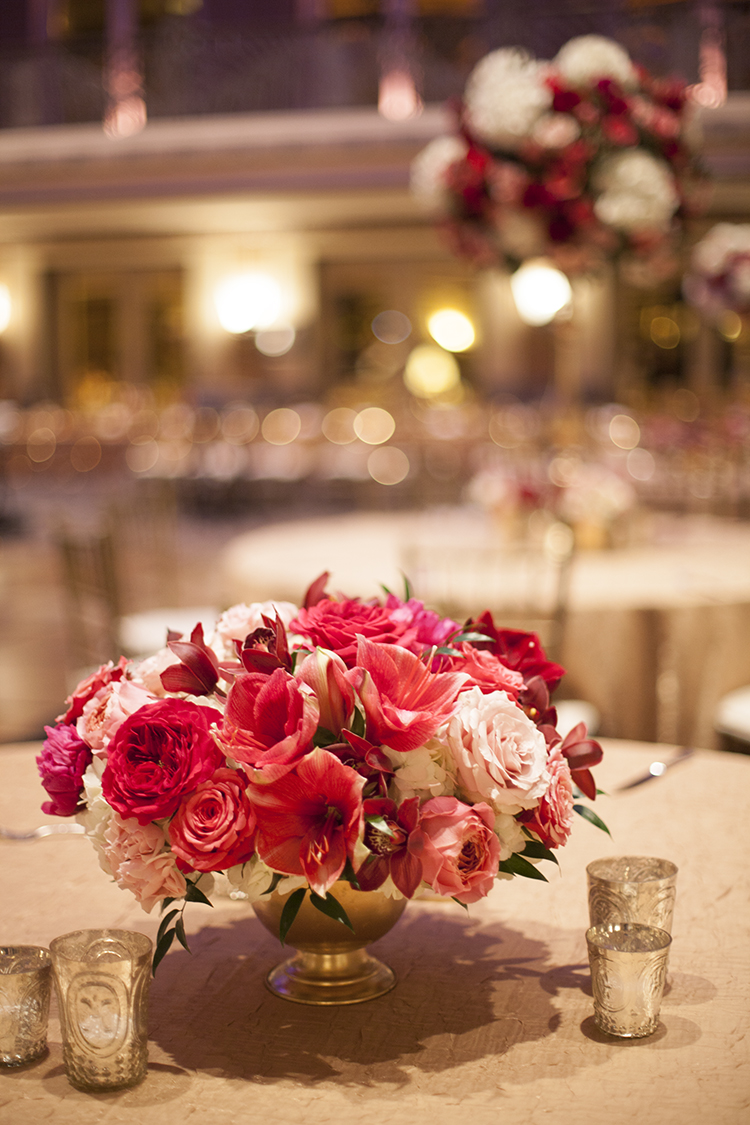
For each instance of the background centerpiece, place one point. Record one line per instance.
(316, 755)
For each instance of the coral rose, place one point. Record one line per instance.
(157, 755)
(214, 827)
(500, 756)
(457, 847)
(62, 764)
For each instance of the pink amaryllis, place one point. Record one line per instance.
(309, 820)
(388, 830)
(404, 701)
(325, 673)
(269, 722)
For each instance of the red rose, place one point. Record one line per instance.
(158, 754)
(335, 625)
(214, 827)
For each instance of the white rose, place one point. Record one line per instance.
(638, 192)
(500, 756)
(429, 168)
(505, 94)
(587, 58)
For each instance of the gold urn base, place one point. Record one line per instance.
(331, 965)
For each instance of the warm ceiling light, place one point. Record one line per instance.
(246, 301)
(5, 307)
(540, 291)
(431, 371)
(451, 329)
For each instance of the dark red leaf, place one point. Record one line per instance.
(316, 591)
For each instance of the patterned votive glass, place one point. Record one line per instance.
(25, 981)
(628, 968)
(102, 981)
(632, 888)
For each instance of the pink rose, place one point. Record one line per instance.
(104, 712)
(336, 625)
(140, 862)
(487, 672)
(106, 674)
(62, 764)
(214, 827)
(552, 820)
(457, 847)
(157, 755)
(500, 756)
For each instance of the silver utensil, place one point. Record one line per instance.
(656, 769)
(42, 830)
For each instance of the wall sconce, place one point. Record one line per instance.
(540, 291)
(6, 307)
(248, 301)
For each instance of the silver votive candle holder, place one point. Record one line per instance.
(632, 888)
(628, 970)
(102, 980)
(25, 982)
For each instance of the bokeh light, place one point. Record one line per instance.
(246, 301)
(338, 425)
(391, 327)
(640, 464)
(85, 454)
(281, 426)
(5, 307)
(275, 341)
(624, 431)
(373, 425)
(388, 465)
(431, 371)
(540, 291)
(451, 329)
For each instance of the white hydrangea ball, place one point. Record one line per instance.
(587, 58)
(429, 167)
(638, 192)
(505, 94)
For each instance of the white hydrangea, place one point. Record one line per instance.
(252, 879)
(505, 95)
(637, 192)
(95, 817)
(429, 168)
(420, 772)
(510, 834)
(587, 58)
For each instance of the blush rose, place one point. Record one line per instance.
(138, 858)
(457, 848)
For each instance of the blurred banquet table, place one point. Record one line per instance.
(492, 1014)
(655, 633)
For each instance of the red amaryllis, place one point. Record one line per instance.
(106, 674)
(325, 673)
(390, 849)
(269, 722)
(457, 847)
(336, 625)
(158, 754)
(309, 820)
(518, 650)
(214, 827)
(404, 701)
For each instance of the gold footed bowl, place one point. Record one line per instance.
(332, 965)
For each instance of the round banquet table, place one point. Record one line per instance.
(655, 633)
(492, 1015)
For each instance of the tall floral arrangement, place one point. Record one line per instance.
(372, 741)
(718, 280)
(582, 159)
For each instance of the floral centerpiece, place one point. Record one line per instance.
(371, 741)
(718, 280)
(581, 159)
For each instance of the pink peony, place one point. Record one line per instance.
(487, 671)
(336, 625)
(87, 688)
(552, 820)
(310, 819)
(160, 753)
(140, 863)
(457, 847)
(105, 711)
(404, 702)
(269, 722)
(214, 827)
(62, 764)
(500, 756)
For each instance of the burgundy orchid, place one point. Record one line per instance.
(369, 761)
(269, 722)
(404, 701)
(266, 648)
(581, 753)
(198, 671)
(309, 820)
(390, 849)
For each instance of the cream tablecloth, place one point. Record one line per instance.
(491, 1019)
(655, 633)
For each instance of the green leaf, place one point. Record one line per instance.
(323, 737)
(350, 875)
(275, 880)
(466, 908)
(299, 654)
(179, 929)
(445, 650)
(472, 638)
(289, 913)
(590, 815)
(380, 824)
(165, 902)
(517, 865)
(535, 849)
(165, 924)
(408, 592)
(385, 589)
(162, 948)
(195, 894)
(331, 907)
(358, 723)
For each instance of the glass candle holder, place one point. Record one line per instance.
(628, 968)
(102, 980)
(632, 888)
(25, 980)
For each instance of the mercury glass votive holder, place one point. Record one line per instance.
(628, 969)
(102, 981)
(25, 981)
(632, 888)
